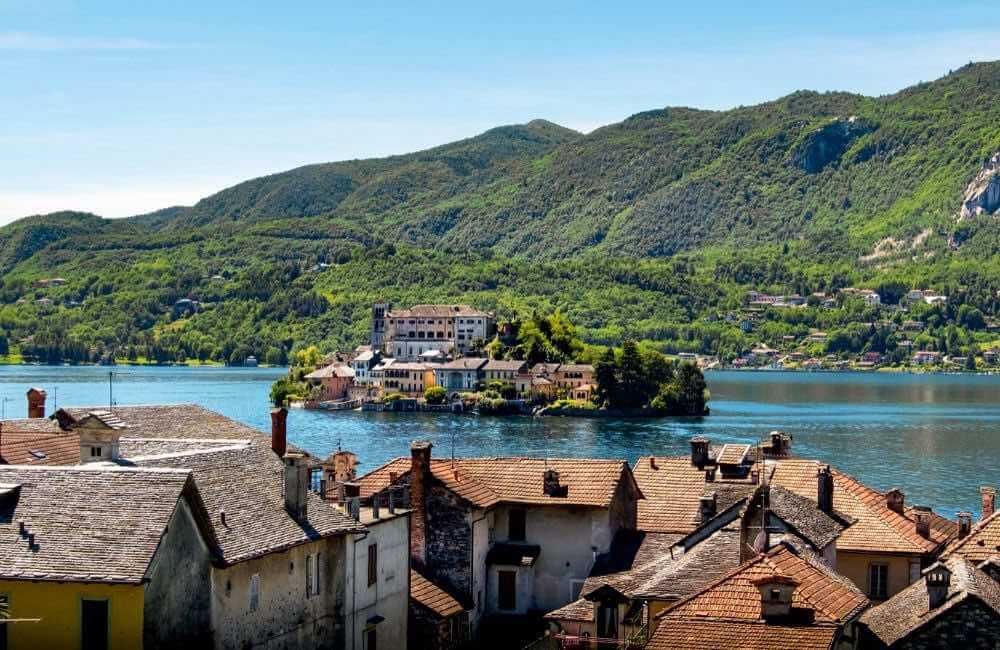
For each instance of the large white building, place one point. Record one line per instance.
(405, 334)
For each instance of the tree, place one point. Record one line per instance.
(692, 389)
(435, 394)
(631, 380)
(606, 376)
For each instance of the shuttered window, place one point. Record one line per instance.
(254, 592)
(372, 564)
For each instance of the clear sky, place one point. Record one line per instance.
(121, 108)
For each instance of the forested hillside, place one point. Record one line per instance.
(652, 228)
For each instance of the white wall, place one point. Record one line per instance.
(389, 596)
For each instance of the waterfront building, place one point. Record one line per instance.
(505, 371)
(574, 375)
(334, 381)
(405, 334)
(409, 378)
(461, 375)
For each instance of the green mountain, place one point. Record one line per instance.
(646, 228)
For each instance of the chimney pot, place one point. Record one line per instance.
(551, 486)
(296, 475)
(895, 500)
(824, 492)
(706, 507)
(36, 403)
(652, 463)
(776, 593)
(279, 432)
(964, 524)
(699, 451)
(922, 521)
(989, 495)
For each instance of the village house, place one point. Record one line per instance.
(365, 358)
(953, 605)
(460, 375)
(574, 375)
(334, 381)
(782, 598)
(881, 551)
(926, 358)
(409, 378)
(407, 333)
(508, 536)
(505, 371)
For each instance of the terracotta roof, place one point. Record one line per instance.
(338, 369)
(697, 634)
(733, 454)
(29, 448)
(246, 481)
(876, 527)
(434, 598)
(910, 609)
(437, 311)
(486, 482)
(982, 543)
(166, 421)
(831, 597)
(91, 523)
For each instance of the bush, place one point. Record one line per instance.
(435, 395)
(392, 397)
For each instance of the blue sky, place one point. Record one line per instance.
(125, 107)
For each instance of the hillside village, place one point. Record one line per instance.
(172, 526)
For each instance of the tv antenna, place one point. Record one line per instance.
(111, 386)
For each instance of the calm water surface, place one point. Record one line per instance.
(935, 436)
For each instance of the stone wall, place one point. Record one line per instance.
(970, 626)
(449, 542)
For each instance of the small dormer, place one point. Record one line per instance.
(938, 579)
(775, 596)
(99, 433)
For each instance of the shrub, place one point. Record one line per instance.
(435, 395)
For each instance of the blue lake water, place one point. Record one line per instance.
(937, 437)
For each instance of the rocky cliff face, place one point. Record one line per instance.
(982, 196)
(827, 144)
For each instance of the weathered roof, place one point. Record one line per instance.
(733, 454)
(90, 523)
(982, 543)
(464, 363)
(339, 369)
(576, 367)
(166, 421)
(496, 364)
(29, 425)
(578, 610)
(910, 609)
(700, 634)
(831, 597)
(486, 482)
(544, 368)
(246, 481)
(804, 517)
(433, 597)
(437, 311)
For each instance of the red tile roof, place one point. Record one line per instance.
(685, 634)
(486, 482)
(26, 448)
(981, 544)
(434, 598)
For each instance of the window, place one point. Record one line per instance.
(516, 525)
(878, 581)
(507, 590)
(607, 621)
(371, 639)
(309, 576)
(95, 452)
(254, 592)
(372, 564)
(93, 624)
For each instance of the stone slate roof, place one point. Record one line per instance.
(91, 523)
(909, 610)
(165, 421)
(496, 364)
(804, 517)
(429, 595)
(578, 610)
(982, 543)
(246, 482)
(30, 425)
(464, 363)
(486, 482)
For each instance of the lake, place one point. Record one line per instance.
(937, 437)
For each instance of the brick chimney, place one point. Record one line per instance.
(938, 579)
(989, 495)
(551, 486)
(279, 431)
(296, 474)
(706, 507)
(895, 500)
(699, 451)
(824, 489)
(420, 471)
(775, 596)
(964, 524)
(36, 403)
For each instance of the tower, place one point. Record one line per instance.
(380, 311)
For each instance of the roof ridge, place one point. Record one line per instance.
(891, 518)
(97, 467)
(746, 565)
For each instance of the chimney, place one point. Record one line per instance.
(824, 489)
(699, 451)
(895, 500)
(296, 484)
(964, 524)
(652, 463)
(706, 507)
(279, 436)
(989, 494)
(551, 486)
(775, 596)
(420, 471)
(922, 521)
(36, 403)
(938, 579)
